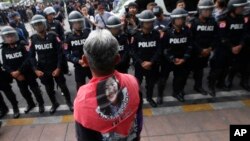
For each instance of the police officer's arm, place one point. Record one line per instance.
(244, 35)
(6, 63)
(216, 38)
(32, 56)
(196, 48)
(59, 51)
(133, 50)
(158, 51)
(26, 59)
(61, 31)
(68, 53)
(167, 51)
(126, 50)
(189, 46)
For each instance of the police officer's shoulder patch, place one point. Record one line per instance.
(222, 24)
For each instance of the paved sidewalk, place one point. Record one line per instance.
(185, 126)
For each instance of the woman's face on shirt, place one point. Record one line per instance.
(111, 90)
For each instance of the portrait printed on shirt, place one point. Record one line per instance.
(112, 100)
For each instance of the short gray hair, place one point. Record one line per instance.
(101, 48)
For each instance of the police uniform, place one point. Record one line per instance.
(114, 22)
(146, 47)
(160, 24)
(205, 36)
(17, 59)
(5, 81)
(56, 26)
(246, 50)
(177, 44)
(123, 49)
(73, 48)
(49, 58)
(225, 62)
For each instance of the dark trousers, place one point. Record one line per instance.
(48, 81)
(3, 106)
(30, 82)
(6, 88)
(180, 77)
(80, 75)
(122, 67)
(65, 66)
(151, 78)
(224, 67)
(197, 66)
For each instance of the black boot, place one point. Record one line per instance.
(53, 108)
(200, 90)
(152, 102)
(211, 91)
(245, 86)
(228, 85)
(70, 105)
(16, 113)
(159, 100)
(3, 112)
(29, 108)
(41, 109)
(179, 96)
(161, 86)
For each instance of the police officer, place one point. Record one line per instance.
(227, 57)
(52, 24)
(16, 62)
(55, 25)
(205, 37)
(177, 51)
(5, 81)
(114, 25)
(160, 24)
(246, 50)
(73, 47)
(47, 66)
(145, 50)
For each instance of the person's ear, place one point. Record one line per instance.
(85, 60)
(117, 59)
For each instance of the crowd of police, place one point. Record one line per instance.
(157, 45)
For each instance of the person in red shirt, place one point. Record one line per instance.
(108, 107)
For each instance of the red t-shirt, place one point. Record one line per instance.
(108, 104)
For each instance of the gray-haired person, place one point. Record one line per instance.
(108, 107)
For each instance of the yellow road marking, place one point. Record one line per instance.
(147, 112)
(197, 107)
(67, 118)
(22, 121)
(246, 102)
